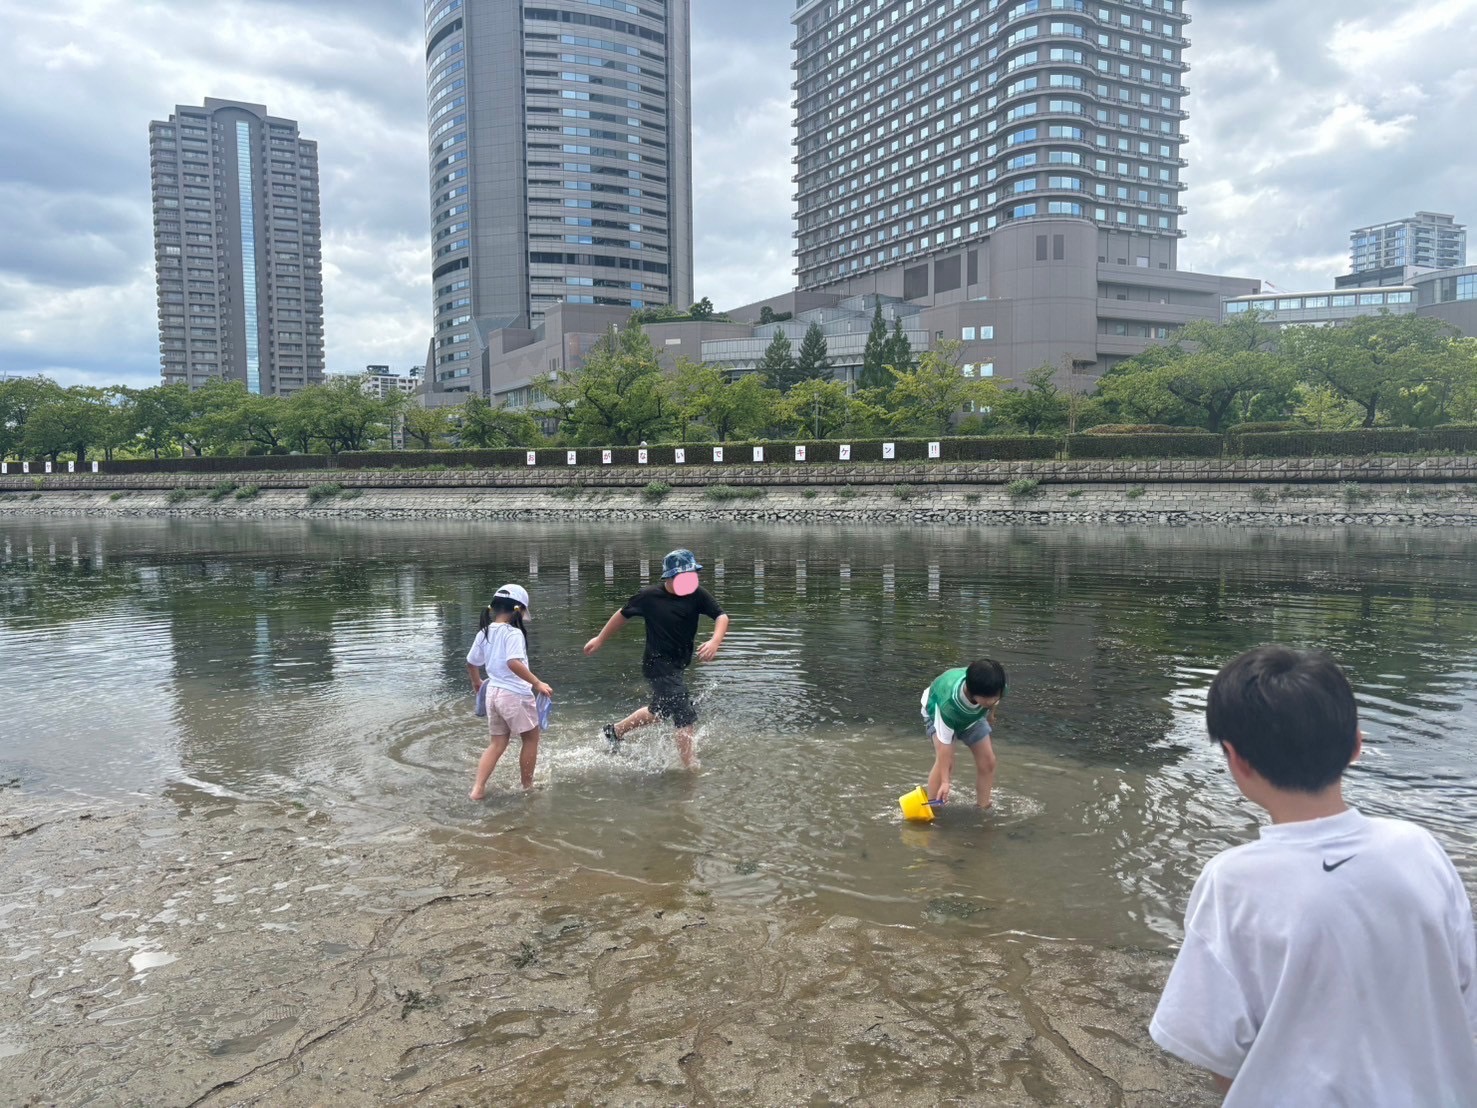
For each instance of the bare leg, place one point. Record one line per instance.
(984, 772)
(528, 756)
(487, 764)
(684, 748)
(641, 717)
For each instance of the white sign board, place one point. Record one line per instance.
(935, 449)
(845, 452)
(94, 467)
(572, 457)
(25, 467)
(800, 453)
(717, 453)
(642, 457)
(889, 451)
(71, 467)
(605, 457)
(681, 456)
(48, 467)
(759, 453)
(532, 458)
(5, 467)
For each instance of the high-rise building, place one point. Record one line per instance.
(925, 124)
(1428, 240)
(238, 248)
(560, 166)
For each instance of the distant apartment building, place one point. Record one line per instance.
(560, 168)
(379, 382)
(238, 248)
(1428, 240)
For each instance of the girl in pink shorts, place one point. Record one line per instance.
(501, 650)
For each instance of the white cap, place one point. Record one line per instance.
(515, 593)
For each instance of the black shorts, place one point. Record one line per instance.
(670, 699)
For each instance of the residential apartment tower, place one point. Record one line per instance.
(238, 248)
(1426, 240)
(560, 168)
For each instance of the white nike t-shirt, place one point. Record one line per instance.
(1331, 963)
(492, 650)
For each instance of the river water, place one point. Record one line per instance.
(322, 664)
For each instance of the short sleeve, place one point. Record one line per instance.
(514, 645)
(707, 604)
(477, 656)
(635, 607)
(1203, 1016)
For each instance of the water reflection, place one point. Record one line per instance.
(322, 662)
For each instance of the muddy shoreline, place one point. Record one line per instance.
(206, 950)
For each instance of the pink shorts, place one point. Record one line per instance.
(510, 713)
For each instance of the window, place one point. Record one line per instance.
(1371, 299)
(1236, 307)
(967, 334)
(1345, 301)
(1397, 298)
(1315, 302)
(1290, 304)
(987, 369)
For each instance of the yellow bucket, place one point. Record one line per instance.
(915, 806)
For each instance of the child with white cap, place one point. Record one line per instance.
(507, 692)
(671, 610)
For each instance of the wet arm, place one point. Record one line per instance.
(519, 668)
(612, 625)
(720, 631)
(475, 673)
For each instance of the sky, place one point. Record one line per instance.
(1308, 118)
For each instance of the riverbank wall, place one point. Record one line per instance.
(1432, 491)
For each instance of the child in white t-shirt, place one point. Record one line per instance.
(1332, 961)
(501, 649)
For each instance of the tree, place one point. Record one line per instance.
(929, 398)
(778, 363)
(1040, 406)
(618, 398)
(811, 363)
(876, 355)
(487, 428)
(900, 350)
(20, 399)
(702, 310)
(159, 415)
(820, 409)
(769, 315)
(1325, 410)
(742, 407)
(338, 416)
(70, 423)
(1370, 361)
(429, 427)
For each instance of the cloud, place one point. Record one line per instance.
(1306, 121)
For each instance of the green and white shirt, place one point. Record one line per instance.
(946, 707)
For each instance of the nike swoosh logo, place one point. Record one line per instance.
(1330, 868)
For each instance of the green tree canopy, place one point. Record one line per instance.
(1371, 361)
(931, 397)
(811, 363)
(20, 399)
(428, 428)
(488, 428)
(820, 409)
(618, 397)
(1039, 406)
(876, 355)
(778, 363)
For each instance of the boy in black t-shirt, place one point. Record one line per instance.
(671, 611)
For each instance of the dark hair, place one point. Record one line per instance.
(1289, 713)
(501, 605)
(985, 677)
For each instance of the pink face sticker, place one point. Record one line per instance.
(684, 584)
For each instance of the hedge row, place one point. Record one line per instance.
(1455, 439)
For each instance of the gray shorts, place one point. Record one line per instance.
(971, 736)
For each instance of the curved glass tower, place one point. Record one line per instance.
(560, 166)
(926, 124)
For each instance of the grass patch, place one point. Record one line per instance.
(323, 492)
(118, 496)
(35, 496)
(971, 498)
(846, 492)
(1136, 492)
(351, 494)
(722, 493)
(904, 492)
(1260, 495)
(221, 491)
(808, 494)
(1075, 493)
(1024, 489)
(572, 491)
(179, 496)
(248, 492)
(1353, 495)
(656, 491)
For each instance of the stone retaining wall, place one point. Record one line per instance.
(899, 503)
(1193, 471)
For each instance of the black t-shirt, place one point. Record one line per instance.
(671, 626)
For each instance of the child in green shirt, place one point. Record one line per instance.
(960, 705)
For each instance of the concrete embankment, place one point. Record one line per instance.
(1365, 491)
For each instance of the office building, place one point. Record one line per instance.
(560, 167)
(1428, 240)
(922, 127)
(1449, 295)
(238, 248)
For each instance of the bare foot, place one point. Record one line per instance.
(477, 794)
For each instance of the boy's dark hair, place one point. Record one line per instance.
(1289, 713)
(985, 677)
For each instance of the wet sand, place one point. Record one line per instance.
(211, 951)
